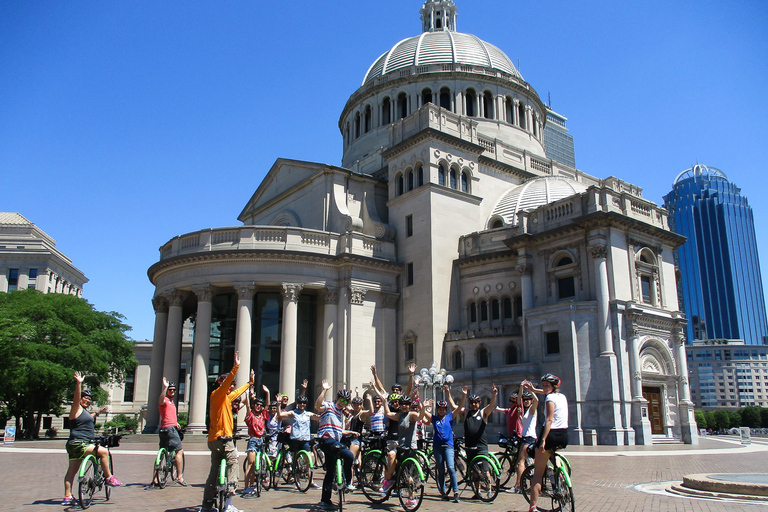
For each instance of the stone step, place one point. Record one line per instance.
(659, 439)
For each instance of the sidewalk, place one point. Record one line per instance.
(32, 475)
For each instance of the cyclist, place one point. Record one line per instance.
(442, 442)
(475, 440)
(514, 415)
(375, 412)
(554, 436)
(354, 423)
(406, 420)
(272, 428)
(330, 432)
(81, 434)
(220, 435)
(169, 428)
(300, 419)
(256, 418)
(530, 405)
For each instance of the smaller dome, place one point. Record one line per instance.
(532, 194)
(700, 171)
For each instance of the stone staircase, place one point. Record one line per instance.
(662, 439)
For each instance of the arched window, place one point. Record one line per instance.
(566, 283)
(521, 115)
(402, 105)
(457, 360)
(482, 357)
(497, 223)
(426, 96)
(535, 126)
(472, 313)
(464, 182)
(647, 272)
(357, 125)
(454, 183)
(445, 98)
(509, 105)
(495, 310)
(506, 306)
(470, 101)
(421, 175)
(386, 112)
(410, 180)
(399, 184)
(367, 119)
(441, 175)
(510, 354)
(483, 311)
(488, 105)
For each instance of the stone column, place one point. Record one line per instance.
(289, 339)
(342, 337)
(386, 357)
(198, 393)
(245, 292)
(526, 285)
(640, 422)
(172, 360)
(515, 112)
(156, 363)
(529, 119)
(688, 429)
(605, 334)
(330, 297)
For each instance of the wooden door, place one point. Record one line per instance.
(655, 411)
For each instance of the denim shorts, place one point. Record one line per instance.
(254, 443)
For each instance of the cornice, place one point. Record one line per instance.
(506, 168)
(432, 134)
(491, 257)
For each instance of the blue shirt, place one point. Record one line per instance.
(443, 434)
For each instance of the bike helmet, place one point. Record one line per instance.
(259, 400)
(405, 400)
(357, 400)
(222, 378)
(552, 379)
(443, 404)
(86, 392)
(302, 400)
(527, 395)
(396, 386)
(515, 394)
(343, 394)
(474, 399)
(395, 397)
(171, 385)
(273, 403)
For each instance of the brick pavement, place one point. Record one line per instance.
(32, 476)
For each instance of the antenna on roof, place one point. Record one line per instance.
(549, 101)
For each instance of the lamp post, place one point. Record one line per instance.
(433, 380)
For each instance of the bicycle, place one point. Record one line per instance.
(340, 483)
(222, 484)
(299, 471)
(261, 468)
(409, 478)
(508, 458)
(556, 484)
(165, 466)
(90, 477)
(459, 464)
(483, 476)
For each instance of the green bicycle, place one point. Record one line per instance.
(299, 471)
(165, 466)
(556, 485)
(90, 477)
(408, 483)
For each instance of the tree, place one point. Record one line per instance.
(750, 416)
(735, 419)
(44, 338)
(722, 419)
(711, 420)
(701, 419)
(764, 417)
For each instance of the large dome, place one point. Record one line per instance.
(440, 49)
(532, 194)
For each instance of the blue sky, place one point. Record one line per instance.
(123, 124)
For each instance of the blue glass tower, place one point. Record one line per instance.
(720, 288)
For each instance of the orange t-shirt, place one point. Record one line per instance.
(221, 407)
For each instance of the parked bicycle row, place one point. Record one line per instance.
(376, 443)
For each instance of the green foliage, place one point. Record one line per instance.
(701, 419)
(722, 419)
(735, 419)
(764, 417)
(123, 422)
(711, 420)
(44, 339)
(750, 416)
(183, 420)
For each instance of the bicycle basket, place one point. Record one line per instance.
(112, 441)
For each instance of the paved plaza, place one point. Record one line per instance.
(604, 479)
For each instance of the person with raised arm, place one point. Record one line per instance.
(81, 436)
(170, 439)
(256, 418)
(442, 442)
(476, 419)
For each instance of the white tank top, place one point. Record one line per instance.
(560, 419)
(529, 423)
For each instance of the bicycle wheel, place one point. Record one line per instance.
(460, 463)
(320, 462)
(410, 486)
(108, 489)
(547, 501)
(525, 482)
(372, 472)
(159, 474)
(508, 468)
(174, 470)
(564, 493)
(221, 499)
(484, 479)
(86, 484)
(424, 461)
(302, 471)
(265, 471)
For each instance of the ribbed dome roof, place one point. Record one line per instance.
(532, 194)
(443, 47)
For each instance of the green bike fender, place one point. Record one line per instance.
(159, 457)
(278, 459)
(495, 460)
(566, 475)
(84, 464)
(377, 453)
(492, 461)
(339, 472)
(415, 463)
(223, 472)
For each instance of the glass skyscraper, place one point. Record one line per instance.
(558, 143)
(720, 288)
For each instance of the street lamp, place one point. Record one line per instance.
(433, 380)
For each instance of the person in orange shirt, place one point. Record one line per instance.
(220, 436)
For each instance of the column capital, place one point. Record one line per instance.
(175, 297)
(204, 293)
(599, 251)
(245, 291)
(160, 304)
(389, 300)
(330, 295)
(356, 295)
(630, 324)
(525, 269)
(291, 291)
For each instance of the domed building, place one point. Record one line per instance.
(445, 235)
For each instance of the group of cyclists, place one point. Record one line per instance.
(398, 416)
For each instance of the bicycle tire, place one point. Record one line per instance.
(174, 470)
(339, 482)
(525, 482)
(508, 468)
(485, 481)
(108, 489)
(302, 470)
(547, 501)
(372, 471)
(86, 484)
(157, 474)
(460, 464)
(221, 501)
(410, 485)
(423, 460)
(320, 459)
(265, 471)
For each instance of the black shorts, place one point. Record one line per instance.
(557, 439)
(169, 439)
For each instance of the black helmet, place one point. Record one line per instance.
(343, 394)
(301, 399)
(357, 400)
(259, 400)
(273, 403)
(171, 385)
(527, 395)
(443, 404)
(405, 400)
(515, 394)
(396, 386)
(474, 398)
(86, 392)
(552, 379)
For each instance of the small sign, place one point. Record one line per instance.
(745, 437)
(10, 435)
(703, 432)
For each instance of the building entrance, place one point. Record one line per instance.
(655, 410)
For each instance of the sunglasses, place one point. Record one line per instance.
(344, 401)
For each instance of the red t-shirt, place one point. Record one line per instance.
(167, 413)
(514, 420)
(256, 423)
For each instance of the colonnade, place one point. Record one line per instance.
(336, 359)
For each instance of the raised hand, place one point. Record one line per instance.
(165, 382)
(447, 388)
(253, 376)
(357, 391)
(103, 410)
(412, 368)
(265, 388)
(373, 369)
(494, 389)
(79, 377)
(326, 385)
(304, 384)
(465, 390)
(237, 358)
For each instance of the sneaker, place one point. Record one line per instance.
(249, 491)
(411, 503)
(313, 485)
(533, 509)
(515, 490)
(455, 497)
(326, 505)
(232, 508)
(182, 483)
(386, 485)
(68, 500)
(113, 482)
(351, 488)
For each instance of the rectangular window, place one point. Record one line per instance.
(409, 225)
(33, 273)
(13, 279)
(645, 285)
(553, 342)
(409, 352)
(566, 287)
(409, 274)
(130, 385)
